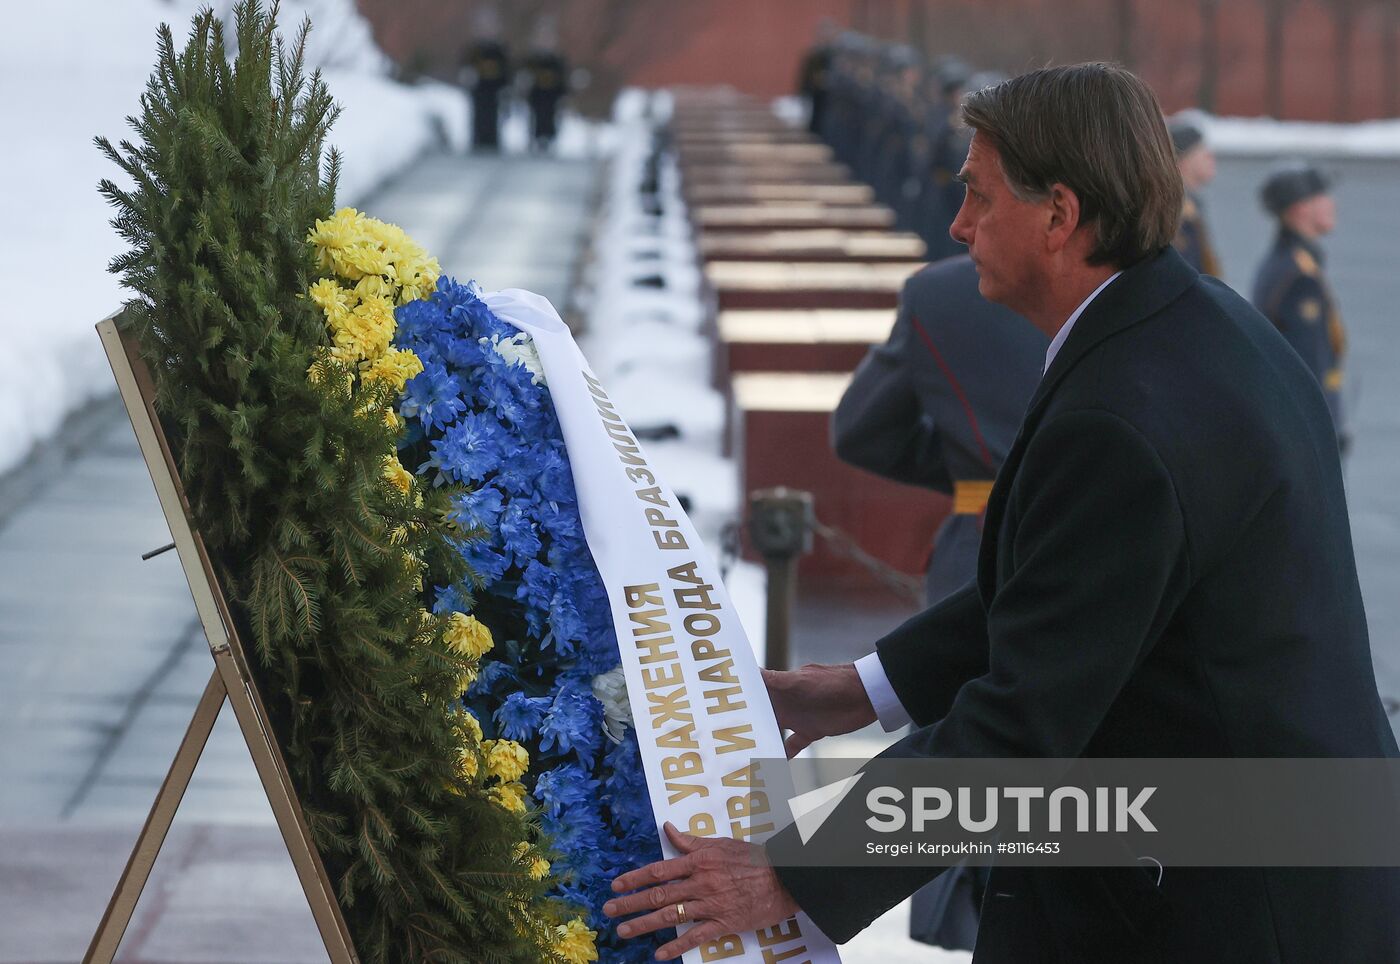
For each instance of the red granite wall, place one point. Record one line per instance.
(755, 45)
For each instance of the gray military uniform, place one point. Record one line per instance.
(939, 403)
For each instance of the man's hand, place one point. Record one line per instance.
(726, 887)
(817, 701)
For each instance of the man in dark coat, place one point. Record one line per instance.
(1290, 288)
(937, 405)
(1166, 571)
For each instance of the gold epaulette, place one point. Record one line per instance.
(1306, 262)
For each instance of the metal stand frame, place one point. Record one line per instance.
(231, 680)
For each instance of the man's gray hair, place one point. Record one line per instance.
(1098, 130)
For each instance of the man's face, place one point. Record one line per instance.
(1314, 217)
(1004, 235)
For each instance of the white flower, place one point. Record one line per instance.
(519, 350)
(611, 690)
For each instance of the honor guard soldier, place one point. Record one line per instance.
(938, 406)
(883, 115)
(487, 70)
(1196, 162)
(546, 79)
(892, 154)
(935, 218)
(1290, 289)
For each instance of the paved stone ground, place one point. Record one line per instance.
(101, 660)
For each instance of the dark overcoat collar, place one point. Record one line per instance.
(1139, 292)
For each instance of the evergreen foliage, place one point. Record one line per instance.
(323, 560)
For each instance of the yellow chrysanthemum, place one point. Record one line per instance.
(505, 759)
(375, 287)
(575, 943)
(509, 796)
(400, 478)
(396, 366)
(467, 764)
(334, 233)
(467, 636)
(386, 268)
(391, 418)
(471, 726)
(365, 331)
(334, 300)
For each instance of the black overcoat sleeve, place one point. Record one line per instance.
(1091, 563)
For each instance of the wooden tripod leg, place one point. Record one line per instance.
(143, 856)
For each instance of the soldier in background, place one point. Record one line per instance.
(880, 118)
(1290, 289)
(486, 72)
(900, 124)
(937, 187)
(814, 77)
(938, 406)
(1196, 162)
(546, 78)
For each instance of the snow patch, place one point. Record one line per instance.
(92, 61)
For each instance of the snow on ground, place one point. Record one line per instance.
(1255, 136)
(73, 69)
(643, 339)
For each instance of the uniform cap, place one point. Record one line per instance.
(951, 74)
(1185, 134)
(1291, 182)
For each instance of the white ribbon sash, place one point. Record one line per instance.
(698, 701)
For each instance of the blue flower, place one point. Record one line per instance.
(433, 396)
(470, 449)
(489, 564)
(537, 587)
(451, 599)
(493, 676)
(479, 510)
(519, 531)
(565, 788)
(520, 715)
(488, 426)
(574, 723)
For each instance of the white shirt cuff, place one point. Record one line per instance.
(888, 709)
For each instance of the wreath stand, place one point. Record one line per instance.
(230, 680)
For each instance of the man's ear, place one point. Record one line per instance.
(1064, 217)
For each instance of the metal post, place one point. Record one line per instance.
(780, 528)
